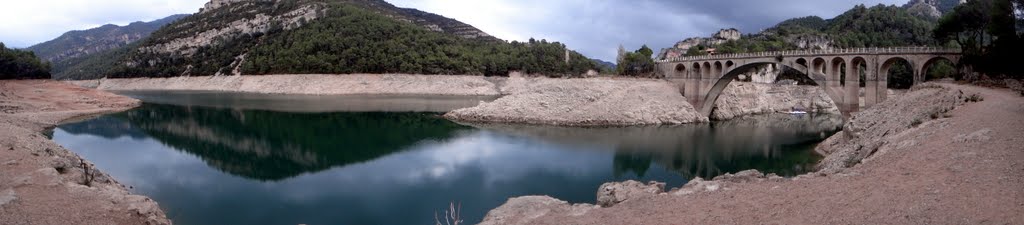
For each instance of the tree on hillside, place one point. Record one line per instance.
(18, 64)
(637, 63)
(986, 31)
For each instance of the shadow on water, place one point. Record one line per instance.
(267, 145)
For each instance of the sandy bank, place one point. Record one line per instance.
(43, 183)
(584, 102)
(396, 84)
(925, 157)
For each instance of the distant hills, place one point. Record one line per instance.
(63, 51)
(861, 26)
(323, 36)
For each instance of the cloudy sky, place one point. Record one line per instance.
(593, 27)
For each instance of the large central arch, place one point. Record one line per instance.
(707, 105)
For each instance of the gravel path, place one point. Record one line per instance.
(965, 166)
(43, 183)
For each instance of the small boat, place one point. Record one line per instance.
(796, 111)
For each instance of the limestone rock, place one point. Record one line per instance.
(7, 196)
(746, 98)
(524, 210)
(1015, 85)
(613, 193)
(977, 136)
(730, 34)
(881, 126)
(583, 102)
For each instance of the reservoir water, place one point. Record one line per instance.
(219, 158)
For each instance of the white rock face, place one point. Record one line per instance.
(730, 34)
(214, 4)
(746, 98)
(257, 24)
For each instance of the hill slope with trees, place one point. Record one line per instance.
(327, 36)
(19, 64)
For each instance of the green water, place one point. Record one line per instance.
(220, 163)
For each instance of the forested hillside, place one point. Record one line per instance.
(876, 26)
(18, 64)
(327, 36)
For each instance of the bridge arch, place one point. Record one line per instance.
(893, 80)
(708, 103)
(707, 71)
(927, 65)
(681, 70)
(860, 67)
(818, 65)
(802, 62)
(836, 71)
(695, 70)
(718, 68)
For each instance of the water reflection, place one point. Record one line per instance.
(269, 145)
(223, 165)
(310, 103)
(766, 142)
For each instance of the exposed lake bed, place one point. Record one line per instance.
(601, 155)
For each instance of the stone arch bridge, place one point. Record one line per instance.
(702, 78)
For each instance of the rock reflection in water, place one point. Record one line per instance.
(310, 103)
(268, 145)
(776, 143)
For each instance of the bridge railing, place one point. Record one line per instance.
(897, 50)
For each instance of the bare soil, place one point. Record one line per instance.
(964, 166)
(43, 183)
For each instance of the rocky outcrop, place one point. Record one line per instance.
(922, 8)
(525, 210)
(245, 25)
(722, 36)
(215, 4)
(584, 102)
(748, 98)
(613, 193)
(931, 8)
(868, 131)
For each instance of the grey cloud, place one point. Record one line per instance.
(596, 28)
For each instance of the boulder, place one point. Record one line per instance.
(523, 210)
(610, 194)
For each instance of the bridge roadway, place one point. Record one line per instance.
(702, 78)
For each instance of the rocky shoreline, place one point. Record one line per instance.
(921, 157)
(524, 100)
(43, 183)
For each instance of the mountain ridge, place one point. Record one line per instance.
(78, 43)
